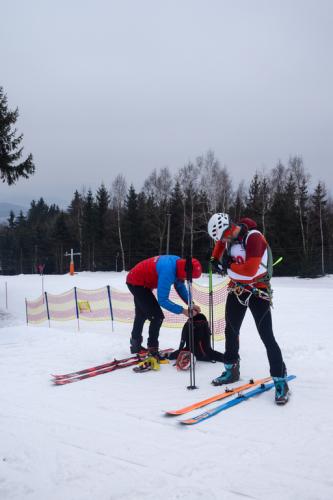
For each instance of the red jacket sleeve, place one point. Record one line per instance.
(218, 250)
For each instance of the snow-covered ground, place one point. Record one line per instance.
(107, 438)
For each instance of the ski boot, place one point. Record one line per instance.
(137, 348)
(147, 364)
(231, 374)
(281, 390)
(161, 358)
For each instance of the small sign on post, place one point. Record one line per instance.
(71, 264)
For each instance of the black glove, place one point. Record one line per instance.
(227, 260)
(217, 266)
(222, 267)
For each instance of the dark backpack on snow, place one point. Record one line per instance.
(202, 345)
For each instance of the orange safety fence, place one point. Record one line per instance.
(109, 304)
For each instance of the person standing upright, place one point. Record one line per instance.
(242, 252)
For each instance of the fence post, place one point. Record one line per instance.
(26, 311)
(77, 309)
(110, 304)
(47, 309)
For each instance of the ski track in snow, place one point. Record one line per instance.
(107, 437)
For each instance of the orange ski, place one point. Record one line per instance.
(218, 397)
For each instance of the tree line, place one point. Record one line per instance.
(117, 226)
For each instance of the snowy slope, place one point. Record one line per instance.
(107, 438)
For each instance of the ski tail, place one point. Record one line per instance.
(71, 380)
(95, 368)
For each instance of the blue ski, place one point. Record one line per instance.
(239, 399)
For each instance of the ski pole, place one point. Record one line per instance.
(211, 304)
(277, 261)
(188, 269)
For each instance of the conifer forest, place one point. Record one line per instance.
(117, 226)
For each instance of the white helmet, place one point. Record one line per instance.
(217, 224)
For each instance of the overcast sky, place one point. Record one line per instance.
(106, 86)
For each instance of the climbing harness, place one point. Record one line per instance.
(239, 289)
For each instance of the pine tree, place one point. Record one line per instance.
(38, 212)
(102, 257)
(283, 232)
(102, 206)
(75, 222)
(151, 234)
(61, 238)
(238, 208)
(10, 150)
(134, 236)
(329, 231)
(24, 245)
(89, 231)
(8, 246)
(11, 220)
(254, 201)
(39, 221)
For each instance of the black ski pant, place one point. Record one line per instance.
(261, 312)
(146, 307)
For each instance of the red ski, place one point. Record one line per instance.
(116, 364)
(98, 367)
(94, 373)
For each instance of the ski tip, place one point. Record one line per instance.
(61, 377)
(171, 413)
(60, 381)
(188, 421)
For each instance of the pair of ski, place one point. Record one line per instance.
(116, 364)
(261, 385)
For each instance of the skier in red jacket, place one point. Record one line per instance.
(159, 272)
(242, 252)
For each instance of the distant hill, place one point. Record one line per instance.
(5, 209)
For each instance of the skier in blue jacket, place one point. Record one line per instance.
(161, 272)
